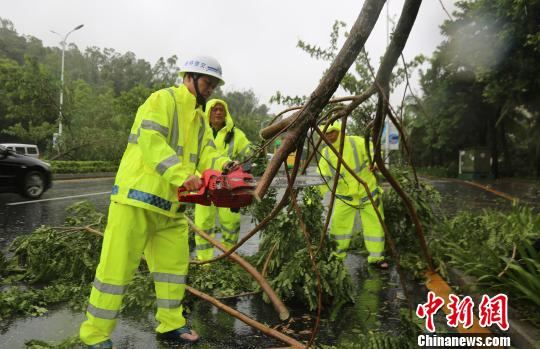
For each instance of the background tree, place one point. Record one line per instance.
(102, 92)
(26, 103)
(248, 115)
(482, 88)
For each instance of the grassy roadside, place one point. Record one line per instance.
(83, 166)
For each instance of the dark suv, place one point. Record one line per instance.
(22, 174)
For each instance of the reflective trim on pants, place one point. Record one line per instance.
(130, 232)
(205, 219)
(341, 228)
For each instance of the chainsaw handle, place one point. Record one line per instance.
(193, 182)
(183, 189)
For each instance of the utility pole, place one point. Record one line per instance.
(56, 136)
(387, 122)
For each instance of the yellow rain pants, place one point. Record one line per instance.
(205, 218)
(130, 232)
(341, 227)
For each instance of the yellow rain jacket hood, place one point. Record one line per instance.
(238, 145)
(169, 141)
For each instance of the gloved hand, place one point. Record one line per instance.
(192, 183)
(230, 166)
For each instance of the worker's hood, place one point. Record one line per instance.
(229, 123)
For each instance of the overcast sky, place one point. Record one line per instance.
(255, 40)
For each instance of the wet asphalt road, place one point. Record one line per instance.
(19, 216)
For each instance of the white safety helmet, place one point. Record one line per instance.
(203, 65)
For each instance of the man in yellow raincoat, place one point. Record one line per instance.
(231, 142)
(351, 196)
(168, 143)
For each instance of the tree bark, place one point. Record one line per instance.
(493, 148)
(276, 301)
(320, 97)
(263, 328)
(507, 168)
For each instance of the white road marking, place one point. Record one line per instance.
(60, 198)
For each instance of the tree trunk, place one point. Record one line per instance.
(358, 36)
(508, 170)
(492, 136)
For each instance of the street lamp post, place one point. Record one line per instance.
(63, 43)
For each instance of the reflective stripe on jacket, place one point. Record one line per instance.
(238, 147)
(167, 143)
(354, 154)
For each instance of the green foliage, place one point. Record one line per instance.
(258, 159)
(62, 166)
(221, 279)
(16, 300)
(290, 271)
(57, 265)
(480, 88)
(27, 107)
(102, 91)
(458, 239)
(359, 77)
(140, 297)
(48, 254)
(397, 218)
(69, 343)
(437, 171)
(3, 264)
(404, 337)
(523, 276)
(246, 112)
(481, 246)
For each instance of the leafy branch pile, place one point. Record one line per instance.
(289, 269)
(425, 199)
(57, 265)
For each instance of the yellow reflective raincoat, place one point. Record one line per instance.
(351, 197)
(205, 216)
(169, 141)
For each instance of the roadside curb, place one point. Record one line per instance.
(62, 176)
(523, 334)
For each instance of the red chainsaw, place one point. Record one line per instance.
(234, 189)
